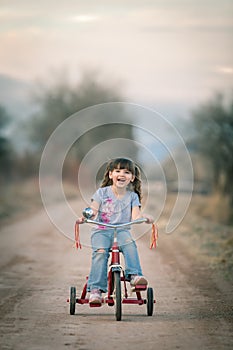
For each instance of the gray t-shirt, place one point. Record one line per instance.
(113, 210)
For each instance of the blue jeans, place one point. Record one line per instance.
(101, 243)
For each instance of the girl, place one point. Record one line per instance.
(118, 200)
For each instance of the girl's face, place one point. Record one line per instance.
(121, 177)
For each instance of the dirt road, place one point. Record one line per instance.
(38, 265)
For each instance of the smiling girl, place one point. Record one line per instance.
(118, 200)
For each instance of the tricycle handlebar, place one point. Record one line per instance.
(138, 221)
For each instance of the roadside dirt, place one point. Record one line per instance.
(38, 265)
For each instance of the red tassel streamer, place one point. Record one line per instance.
(77, 239)
(154, 237)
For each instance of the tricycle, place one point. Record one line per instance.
(118, 286)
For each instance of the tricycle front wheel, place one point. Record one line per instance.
(117, 290)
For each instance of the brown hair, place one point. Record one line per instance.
(123, 163)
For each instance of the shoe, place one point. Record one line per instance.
(95, 297)
(138, 280)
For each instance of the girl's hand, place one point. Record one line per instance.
(149, 218)
(80, 220)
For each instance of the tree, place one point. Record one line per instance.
(62, 99)
(213, 124)
(5, 146)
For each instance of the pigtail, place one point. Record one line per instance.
(137, 183)
(106, 181)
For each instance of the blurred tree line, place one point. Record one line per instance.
(55, 103)
(6, 150)
(212, 123)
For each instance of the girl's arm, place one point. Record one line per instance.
(137, 214)
(95, 207)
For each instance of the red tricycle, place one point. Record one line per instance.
(117, 293)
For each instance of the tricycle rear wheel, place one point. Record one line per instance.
(150, 301)
(72, 300)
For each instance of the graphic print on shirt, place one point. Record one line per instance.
(106, 211)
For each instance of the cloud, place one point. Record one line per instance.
(224, 70)
(84, 18)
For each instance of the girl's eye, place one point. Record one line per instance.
(125, 171)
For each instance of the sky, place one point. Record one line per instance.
(160, 51)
